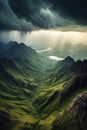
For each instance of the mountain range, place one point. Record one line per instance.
(37, 94)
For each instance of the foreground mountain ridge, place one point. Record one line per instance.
(32, 96)
(75, 115)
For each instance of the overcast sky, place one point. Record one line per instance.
(27, 15)
(43, 23)
(43, 39)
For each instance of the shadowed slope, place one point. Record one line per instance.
(75, 116)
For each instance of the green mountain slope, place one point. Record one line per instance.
(18, 83)
(54, 98)
(33, 92)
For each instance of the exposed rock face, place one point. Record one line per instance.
(75, 116)
(79, 107)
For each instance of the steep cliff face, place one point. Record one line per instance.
(75, 116)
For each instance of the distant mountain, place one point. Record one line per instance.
(59, 70)
(2, 47)
(18, 51)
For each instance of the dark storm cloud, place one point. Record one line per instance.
(39, 12)
(10, 21)
(27, 15)
(30, 10)
(76, 9)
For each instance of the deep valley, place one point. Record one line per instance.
(39, 94)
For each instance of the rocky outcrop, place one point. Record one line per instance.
(75, 116)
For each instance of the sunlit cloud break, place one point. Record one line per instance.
(55, 58)
(48, 49)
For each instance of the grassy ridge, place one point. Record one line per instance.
(33, 92)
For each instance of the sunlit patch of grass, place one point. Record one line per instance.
(47, 123)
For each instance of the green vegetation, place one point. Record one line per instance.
(34, 90)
